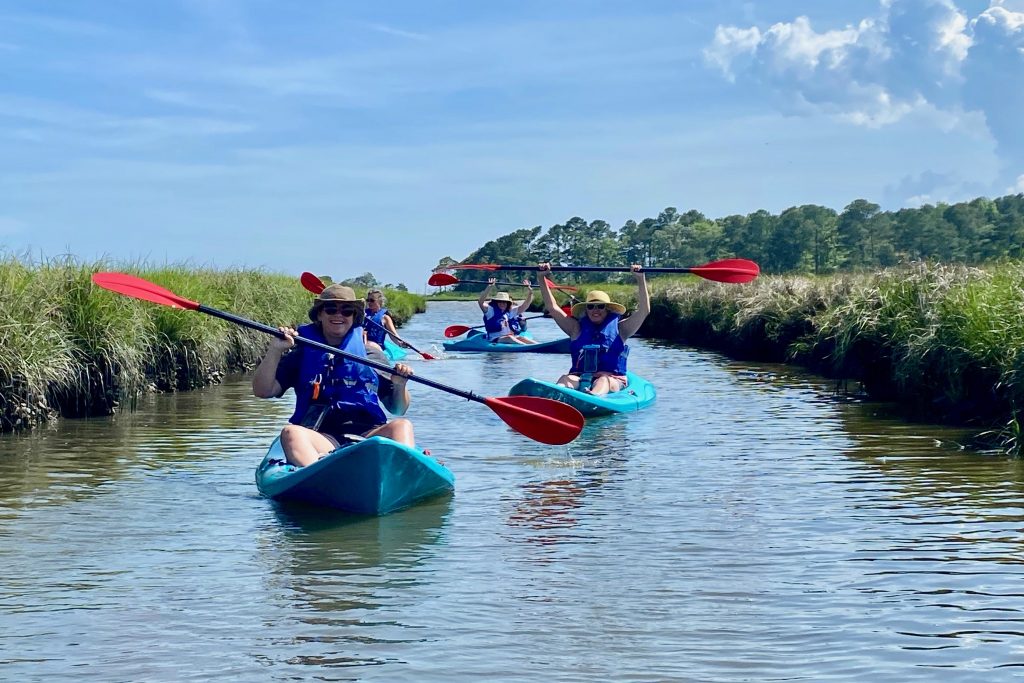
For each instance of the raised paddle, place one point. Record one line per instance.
(732, 270)
(458, 330)
(314, 284)
(444, 279)
(540, 419)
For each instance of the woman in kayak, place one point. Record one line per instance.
(381, 325)
(336, 400)
(598, 334)
(501, 321)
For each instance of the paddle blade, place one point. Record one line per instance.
(426, 356)
(442, 280)
(137, 288)
(311, 282)
(733, 270)
(564, 288)
(456, 331)
(541, 419)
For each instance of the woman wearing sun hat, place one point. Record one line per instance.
(501, 313)
(334, 397)
(598, 334)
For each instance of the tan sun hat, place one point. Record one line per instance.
(501, 296)
(337, 294)
(596, 296)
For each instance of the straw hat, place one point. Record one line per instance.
(502, 296)
(596, 296)
(337, 294)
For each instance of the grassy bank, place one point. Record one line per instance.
(945, 342)
(69, 348)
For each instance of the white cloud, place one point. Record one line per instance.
(915, 57)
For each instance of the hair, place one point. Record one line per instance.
(380, 295)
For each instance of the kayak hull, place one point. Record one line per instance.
(476, 341)
(638, 394)
(375, 476)
(393, 351)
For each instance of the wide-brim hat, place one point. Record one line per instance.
(337, 294)
(502, 296)
(596, 296)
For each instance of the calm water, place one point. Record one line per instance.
(748, 526)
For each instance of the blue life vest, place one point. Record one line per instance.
(498, 324)
(349, 388)
(376, 333)
(517, 324)
(613, 352)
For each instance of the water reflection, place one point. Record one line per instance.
(346, 581)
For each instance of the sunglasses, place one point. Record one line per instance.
(347, 311)
(595, 307)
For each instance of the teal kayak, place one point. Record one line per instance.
(393, 351)
(476, 340)
(374, 476)
(639, 393)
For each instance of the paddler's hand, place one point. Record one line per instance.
(638, 272)
(282, 344)
(401, 374)
(544, 267)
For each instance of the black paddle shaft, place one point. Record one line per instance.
(252, 324)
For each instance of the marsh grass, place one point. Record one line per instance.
(945, 341)
(68, 347)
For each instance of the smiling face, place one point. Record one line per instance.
(597, 312)
(336, 319)
(503, 305)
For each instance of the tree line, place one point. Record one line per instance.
(808, 239)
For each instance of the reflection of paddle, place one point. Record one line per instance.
(727, 270)
(540, 419)
(444, 279)
(458, 330)
(314, 284)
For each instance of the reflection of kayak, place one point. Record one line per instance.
(476, 340)
(374, 476)
(639, 393)
(393, 351)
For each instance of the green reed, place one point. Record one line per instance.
(946, 341)
(68, 347)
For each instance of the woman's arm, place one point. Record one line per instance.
(397, 400)
(264, 381)
(486, 294)
(631, 325)
(525, 306)
(566, 323)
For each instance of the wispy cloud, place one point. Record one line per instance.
(914, 56)
(392, 31)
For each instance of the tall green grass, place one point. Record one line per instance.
(68, 347)
(946, 341)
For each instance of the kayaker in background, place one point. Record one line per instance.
(598, 334)
(334, 397)
(385, 326)
(500, 315)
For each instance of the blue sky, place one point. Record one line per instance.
(352, 137)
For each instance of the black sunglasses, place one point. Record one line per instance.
(595, 307)
(347, 311)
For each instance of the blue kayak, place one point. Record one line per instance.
(374, 476)
(393, 351)
(639, 393)
(476, 340)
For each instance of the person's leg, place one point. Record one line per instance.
(571, 381)
(303, 446)
(606, 384)
(399, 430)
